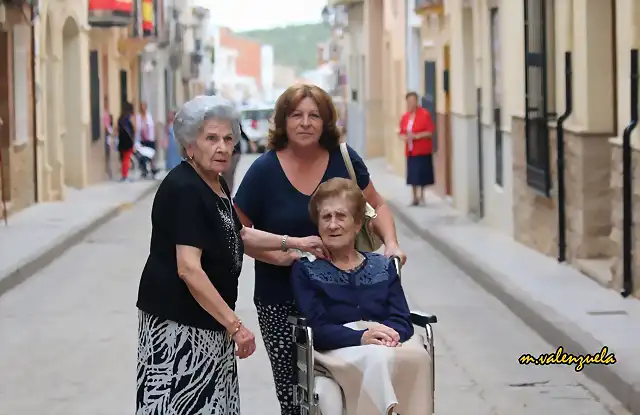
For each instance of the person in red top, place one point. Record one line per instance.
(416, 129)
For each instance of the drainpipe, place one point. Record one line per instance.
(34, 100)
(562, 216)
(3, 188)
(627, 184)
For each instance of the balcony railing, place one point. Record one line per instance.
(110, 13)
(429, 6)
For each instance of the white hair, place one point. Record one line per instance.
(189, 120)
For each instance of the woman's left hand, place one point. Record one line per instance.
(311, 244)
(394, 250)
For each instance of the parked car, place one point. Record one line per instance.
(256, 121)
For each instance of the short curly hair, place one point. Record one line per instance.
(289, 101)
(339, 187)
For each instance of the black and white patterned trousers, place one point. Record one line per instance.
(277, 335)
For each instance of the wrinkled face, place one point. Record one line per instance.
(336, 224)
(412, 103)
(304, 124)
(213, 148)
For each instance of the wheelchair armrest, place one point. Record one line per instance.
(423, 319)
(297, 321)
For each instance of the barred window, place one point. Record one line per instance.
(537, 79)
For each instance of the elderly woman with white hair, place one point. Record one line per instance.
(187, 327)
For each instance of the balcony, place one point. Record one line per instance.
(426, 7)
(110, 13)
(142, 30)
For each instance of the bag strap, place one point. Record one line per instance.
(347, 161)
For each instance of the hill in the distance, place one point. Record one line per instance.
(294, 46)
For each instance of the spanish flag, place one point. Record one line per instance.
(147, 15)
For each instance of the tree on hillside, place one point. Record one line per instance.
(294, 46)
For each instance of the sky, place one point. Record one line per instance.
(240, 15)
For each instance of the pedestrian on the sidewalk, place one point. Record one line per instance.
(274, 196)
(416, 129)
(173, 149)
(108, 136)
(126, 137)
(230, 173)
(146, 135)
(187, 329)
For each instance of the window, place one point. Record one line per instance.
(496, 89)
(94, 93)
(21, 69)
(536, 96)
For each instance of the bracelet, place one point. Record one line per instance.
(236, 329)
(283, 243)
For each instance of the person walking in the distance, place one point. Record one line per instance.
(126, 138)
(229, 174)
(416, 129)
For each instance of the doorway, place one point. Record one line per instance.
(124, 88)
(5, 114)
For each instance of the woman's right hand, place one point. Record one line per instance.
(245, 342)
(381, 335)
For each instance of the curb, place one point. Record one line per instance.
(552, 327)
(59, 247)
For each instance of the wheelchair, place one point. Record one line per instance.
(304, 393)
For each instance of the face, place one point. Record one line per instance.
(336, 224)
(412, 103)
(304, 125)
(213, 148)
(143, 107)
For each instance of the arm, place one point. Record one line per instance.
(399, 315)
(402, 129)
(190, 232)
(258, 240)
(426, 126)
(383, 225)
(248, 202)
(152, 128)
(280, 258)
(326, 335)
(199, 285)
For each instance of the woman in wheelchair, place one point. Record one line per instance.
(357, 310)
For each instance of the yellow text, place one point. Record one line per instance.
(560, 357)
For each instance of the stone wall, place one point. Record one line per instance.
(588, 197)
(441, 159)
(535, 216)
(616, 229)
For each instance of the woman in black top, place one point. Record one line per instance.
(189, 286)
(126, 134)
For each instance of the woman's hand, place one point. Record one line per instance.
(311, 244)
(381, 335)
(394, 250)
(245, 342)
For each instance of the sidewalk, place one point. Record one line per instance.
(565, 307)
(39, 234)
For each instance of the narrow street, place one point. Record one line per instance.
(69, 337)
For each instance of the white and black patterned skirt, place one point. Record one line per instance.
(184, 370)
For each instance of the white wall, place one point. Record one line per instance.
(267, 72)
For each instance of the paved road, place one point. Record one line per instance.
(68, 338)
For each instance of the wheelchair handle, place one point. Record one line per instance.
(397, 263)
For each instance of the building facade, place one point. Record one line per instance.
(369, 39)
(18, 138)
(538, 94)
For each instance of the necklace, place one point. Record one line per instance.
(226, 197)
